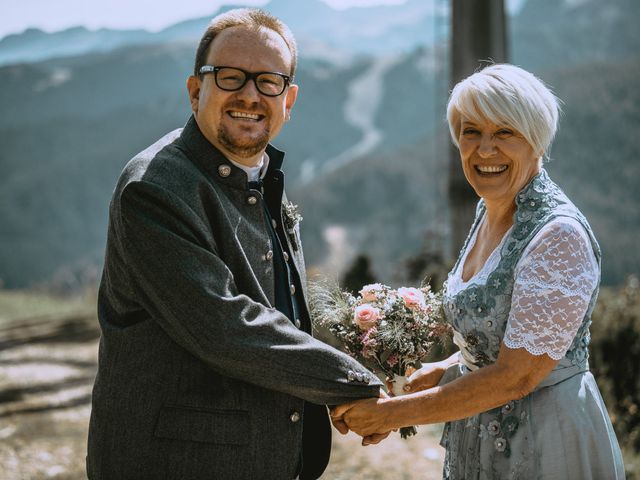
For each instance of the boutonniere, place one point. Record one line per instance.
(292, 218)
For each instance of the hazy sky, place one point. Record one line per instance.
(52, 15)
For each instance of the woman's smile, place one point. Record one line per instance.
(491, 170)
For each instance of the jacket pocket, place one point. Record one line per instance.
(224, 427)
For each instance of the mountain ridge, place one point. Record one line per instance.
(68, 126)
(352, 31)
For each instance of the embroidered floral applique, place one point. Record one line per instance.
(502, 427)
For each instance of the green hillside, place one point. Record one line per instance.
(68, 126)
(594, 157)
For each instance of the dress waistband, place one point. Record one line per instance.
(561, 374)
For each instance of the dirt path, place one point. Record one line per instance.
(417, 458)
(47, 366)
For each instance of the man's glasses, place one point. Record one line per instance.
(232, 79)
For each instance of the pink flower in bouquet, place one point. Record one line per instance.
(366, 316)
(369, 292)
(369, 343)
(392, 361)
(413, 298)
(368, 338)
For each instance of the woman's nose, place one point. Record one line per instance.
(487, 147)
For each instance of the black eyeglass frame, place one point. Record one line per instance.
(247, 76)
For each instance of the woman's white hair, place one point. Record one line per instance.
(507, 96)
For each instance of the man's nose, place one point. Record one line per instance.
(249, 91)
(487, 147)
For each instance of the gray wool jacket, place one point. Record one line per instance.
(199, 376)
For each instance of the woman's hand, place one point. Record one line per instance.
(426, 377)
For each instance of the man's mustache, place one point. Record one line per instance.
(253, 107)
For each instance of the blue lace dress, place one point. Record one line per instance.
(536, 291)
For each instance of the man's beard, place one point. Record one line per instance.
(241, 146)
(245, 145)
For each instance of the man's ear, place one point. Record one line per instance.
(292, 94)
(193, 87)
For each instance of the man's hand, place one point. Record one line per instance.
(337, 417)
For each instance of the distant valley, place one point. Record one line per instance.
(367, 149)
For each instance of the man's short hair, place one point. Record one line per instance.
(510, 96)
(252, 18)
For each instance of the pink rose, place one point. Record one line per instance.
(366, 317)
(368, 292)
(413, 298)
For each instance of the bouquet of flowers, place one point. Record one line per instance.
(387, 330)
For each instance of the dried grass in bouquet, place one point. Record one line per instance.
(387, 330)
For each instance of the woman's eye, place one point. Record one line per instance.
(504, 132)
(470, 131)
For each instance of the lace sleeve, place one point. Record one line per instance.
(554, 281)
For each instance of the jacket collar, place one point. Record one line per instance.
(212, 161)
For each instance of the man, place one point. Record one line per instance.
(207, 369)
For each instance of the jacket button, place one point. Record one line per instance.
(351, 375)
(297, 323)
(286, 256)
(252, 200)
(269, 255)
(224, 170)
(274, 223)
(293, 289)
(295, 417)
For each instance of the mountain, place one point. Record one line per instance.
(64, 145)
(92, 86)
(384, 204)
(318, 28)
(367, 149)
(549, 33)
(594, 156)
(34, 44)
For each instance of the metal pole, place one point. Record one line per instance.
(478, 35)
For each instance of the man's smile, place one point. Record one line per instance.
(245, 115)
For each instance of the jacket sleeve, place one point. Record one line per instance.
(186, 287)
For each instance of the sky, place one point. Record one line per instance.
(53, 15)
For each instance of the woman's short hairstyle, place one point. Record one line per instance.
(252, 18)
(506, 95)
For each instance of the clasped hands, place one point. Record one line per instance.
(364, 417)
(375, 418)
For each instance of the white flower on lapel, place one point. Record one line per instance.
(292, 216)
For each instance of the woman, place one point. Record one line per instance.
(518, 398)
